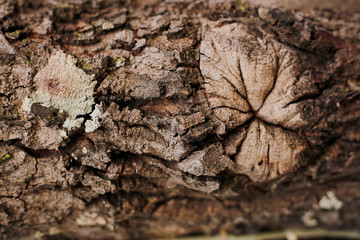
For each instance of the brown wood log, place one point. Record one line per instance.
(158, 119)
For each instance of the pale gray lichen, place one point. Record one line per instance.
(84, 150)
(63, 134)
(73, 123)
(107, 26)
(90, 219)
(309, 219)
(61, 85)
(94, 123)
(330, 202)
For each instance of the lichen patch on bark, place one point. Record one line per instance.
(63, 86)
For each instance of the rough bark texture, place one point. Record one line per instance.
(149, 119)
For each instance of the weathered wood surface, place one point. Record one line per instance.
(147, 119)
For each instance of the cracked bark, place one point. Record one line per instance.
(145, 119)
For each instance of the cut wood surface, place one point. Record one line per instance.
(162, 119)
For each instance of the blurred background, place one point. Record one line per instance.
(343, 5)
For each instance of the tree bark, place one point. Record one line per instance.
(159, 119)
